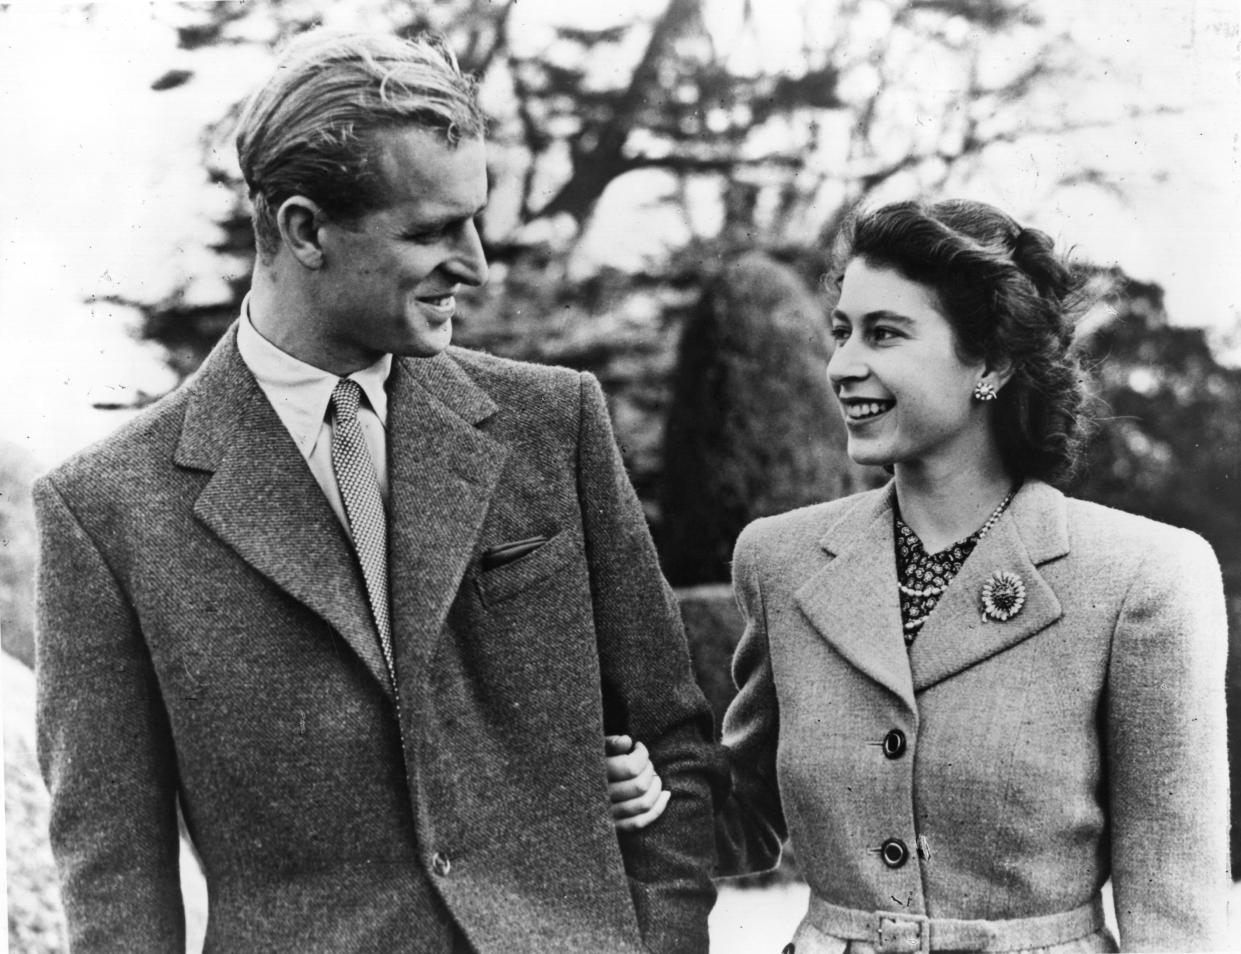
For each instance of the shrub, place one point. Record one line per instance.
(17, 552)
(753, 428)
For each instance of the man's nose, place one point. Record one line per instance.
(469, 261)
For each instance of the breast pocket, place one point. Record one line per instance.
(504, 582)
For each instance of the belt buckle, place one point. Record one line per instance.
(902, 934)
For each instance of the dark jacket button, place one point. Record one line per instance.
(441, 864)
(894, 744)
(894, 853)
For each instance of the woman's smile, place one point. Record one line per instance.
(859, 411)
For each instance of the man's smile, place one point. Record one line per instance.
(442, 306)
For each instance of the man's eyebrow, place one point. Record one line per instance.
(431, 223)
(870, 317)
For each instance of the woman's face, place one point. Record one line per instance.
(905, 392)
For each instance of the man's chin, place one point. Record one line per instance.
(428, 344)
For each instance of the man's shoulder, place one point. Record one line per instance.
(490, 371)
(540, 406)
(143, 443)
(538, 394)
(139, 452)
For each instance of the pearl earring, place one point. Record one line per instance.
(984, 391)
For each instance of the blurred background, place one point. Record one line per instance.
(666, 178)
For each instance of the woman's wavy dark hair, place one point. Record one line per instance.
(1007, 295)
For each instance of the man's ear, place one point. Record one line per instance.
(298, 219)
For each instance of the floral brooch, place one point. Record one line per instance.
(1003, 596)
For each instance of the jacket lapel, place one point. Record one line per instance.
(263, 501)
(442, 473)
(853, 602)
(1031, 532)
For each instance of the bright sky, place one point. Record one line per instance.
(98, 180)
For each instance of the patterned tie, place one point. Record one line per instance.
(359, 489)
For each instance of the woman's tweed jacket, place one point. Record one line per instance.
(204, 636)
(1081, 740)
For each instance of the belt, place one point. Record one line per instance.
(894, 932)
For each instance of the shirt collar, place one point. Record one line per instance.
(299, 392)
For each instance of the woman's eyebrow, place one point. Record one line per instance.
(872, 316)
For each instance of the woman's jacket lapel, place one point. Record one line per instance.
(1030, 533)
(853, 601)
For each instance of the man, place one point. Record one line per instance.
(361, 604)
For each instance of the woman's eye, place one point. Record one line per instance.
(882, 334)
(839, 333)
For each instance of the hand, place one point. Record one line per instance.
(635, 790)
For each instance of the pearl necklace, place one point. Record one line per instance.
(982, 532)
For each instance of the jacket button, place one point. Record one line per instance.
(894, 853)
(894, 744)
(441, 864)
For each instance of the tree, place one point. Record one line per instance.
(17, 551)
(1167, 441)
(779, 149)
(1167, 445)
(870, 99)
(753, 428)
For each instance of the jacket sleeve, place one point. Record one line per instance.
(750, 827)
(1167, 754)
(104, 749)
(649, 692)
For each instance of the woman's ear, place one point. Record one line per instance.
(298, 219)
(997, 373)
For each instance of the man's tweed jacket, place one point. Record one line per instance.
(204, 638)
(1081, 739)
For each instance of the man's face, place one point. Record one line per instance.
(388, 279)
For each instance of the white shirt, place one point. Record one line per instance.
(299, 393)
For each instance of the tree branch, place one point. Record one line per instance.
(594, 167)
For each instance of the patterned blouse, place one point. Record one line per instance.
(927, 575)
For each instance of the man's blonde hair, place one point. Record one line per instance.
(309, 130)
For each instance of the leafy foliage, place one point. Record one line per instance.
(876, 99)
(752, 427)
(1168, 440)
(1167, 445)
(17, 552)
(779, 151)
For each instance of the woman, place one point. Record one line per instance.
(968, 699)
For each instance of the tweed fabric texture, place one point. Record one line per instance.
(205, 638)
(1082, 739)
(359, 491)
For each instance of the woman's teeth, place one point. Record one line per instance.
(861, 410)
